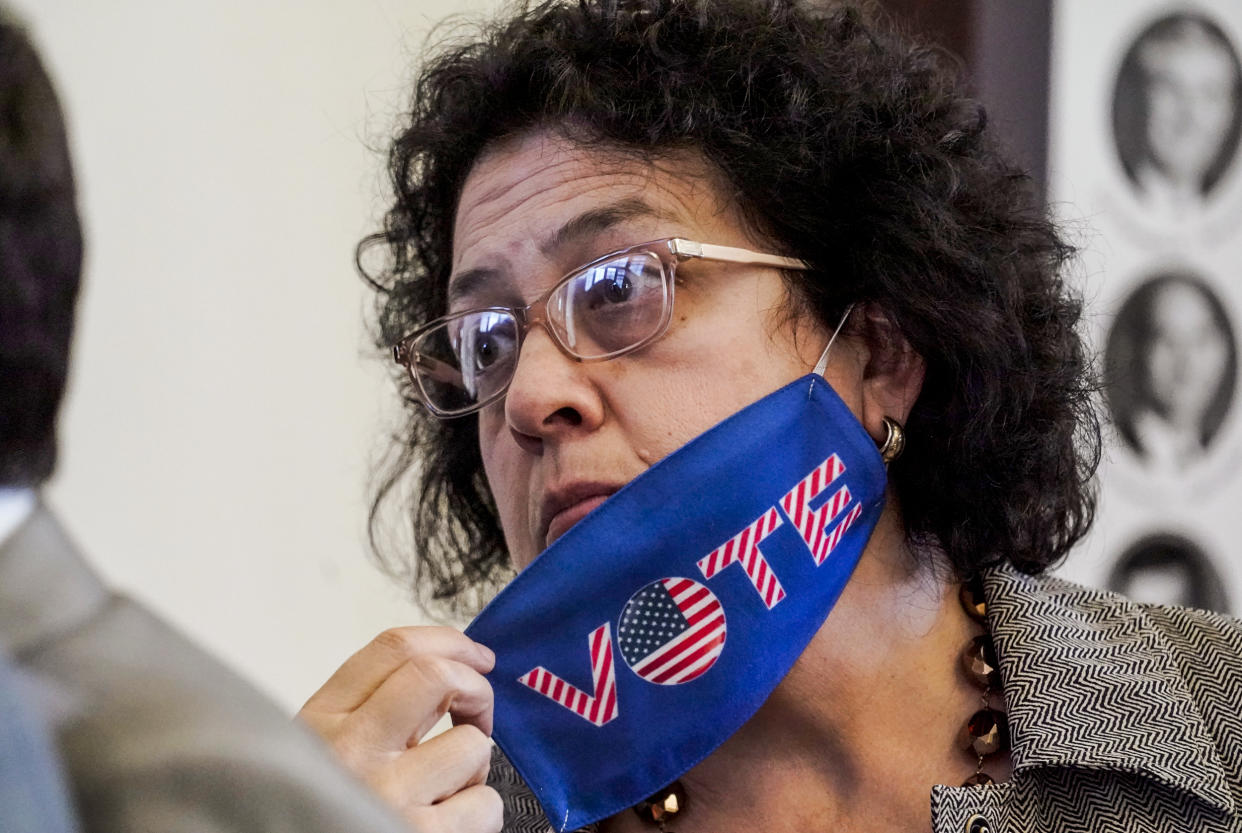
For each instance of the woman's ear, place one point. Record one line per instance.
(893, 376)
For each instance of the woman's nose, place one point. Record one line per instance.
(551, 394)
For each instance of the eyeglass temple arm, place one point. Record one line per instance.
(732, 254)
(436, 369)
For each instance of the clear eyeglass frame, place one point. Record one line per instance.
(424, 369)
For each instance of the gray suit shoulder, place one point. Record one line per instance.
(155, 734)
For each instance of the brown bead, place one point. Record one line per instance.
(979, 779)
(971, 596)
(662, 806)
(985, 733)
(979, 663)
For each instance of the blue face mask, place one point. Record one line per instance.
(654, 628)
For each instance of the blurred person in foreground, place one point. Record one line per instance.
(153, 734)
(628, 235)
(33, 795)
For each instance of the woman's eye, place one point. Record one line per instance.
(491, 348)
(485, 351)
(488, 342)
(608, 285)
(619, 289)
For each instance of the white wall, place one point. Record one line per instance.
(224, 406)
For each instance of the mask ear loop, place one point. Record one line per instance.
(822, 364)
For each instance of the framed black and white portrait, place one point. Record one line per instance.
(1167, 568)
(1177, 112)
(1170, 366)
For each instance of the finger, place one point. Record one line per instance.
(364, 672)
(474, 810)
(414, 697)
(442, 766)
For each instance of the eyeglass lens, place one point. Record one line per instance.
(596, 313)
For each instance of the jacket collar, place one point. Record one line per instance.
(1090, 682)
(46, 589)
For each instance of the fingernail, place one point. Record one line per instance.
(488, 655)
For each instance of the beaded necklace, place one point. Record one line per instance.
(985, 735)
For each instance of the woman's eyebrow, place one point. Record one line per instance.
(470, 282)
(588, 223)
(597, 220)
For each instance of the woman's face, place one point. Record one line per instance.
(569, 434)
(1186, 355)
(1190, 105)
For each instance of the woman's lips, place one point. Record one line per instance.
(570, 515)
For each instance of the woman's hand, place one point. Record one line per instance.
(377, 707)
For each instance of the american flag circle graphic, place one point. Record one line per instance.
(671, 631)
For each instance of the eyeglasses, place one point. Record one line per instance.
(613, 305)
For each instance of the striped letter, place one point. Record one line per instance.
(598, 708)
(812, 524)
(743, 549)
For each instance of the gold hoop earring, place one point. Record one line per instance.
(894, 440)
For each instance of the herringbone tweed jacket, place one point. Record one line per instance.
(1124, 717)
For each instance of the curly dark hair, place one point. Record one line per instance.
(843, 145)
(40, 261)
